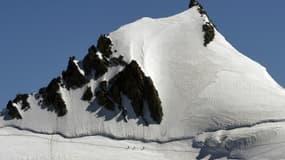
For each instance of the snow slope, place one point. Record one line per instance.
(227, 103)
(55, 147)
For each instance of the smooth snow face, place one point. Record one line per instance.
(201, 88)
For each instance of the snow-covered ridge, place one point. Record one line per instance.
(128, 82)
(199, 86)
(169, 88)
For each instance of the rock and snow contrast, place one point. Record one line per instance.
(167, 89)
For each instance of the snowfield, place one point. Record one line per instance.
(217, 104)
(25, 145)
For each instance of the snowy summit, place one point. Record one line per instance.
(167, 89)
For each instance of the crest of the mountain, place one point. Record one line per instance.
(193, 3)
(208, 27)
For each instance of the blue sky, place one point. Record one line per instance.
(38, 36)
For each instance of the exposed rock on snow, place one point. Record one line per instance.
(20, 100)
(103, 98)
(209, 35)
(92, 62)
(115, 61)
(104, 45)
(88, 94)
(155, 81)
(133, 83)
(208, 26)
(193, 3)
(13, 111)
(52, 98)
(72, 77)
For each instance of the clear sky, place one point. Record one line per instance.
(38, 36)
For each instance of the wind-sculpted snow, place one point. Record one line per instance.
(257, 142)
(164, 80)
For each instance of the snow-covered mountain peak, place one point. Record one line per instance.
(174, 82)
(156, 80)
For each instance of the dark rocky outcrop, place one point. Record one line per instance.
(208, 27)
(87, 95)
(72, 76)
(116, 61)
(209, 33)
(103, 98)
(201, 9)
(152, 98)
(133, 83)
(92, 62)
(193, 3)
(23, 100)
(104, 45)
(13, 111)
(52, 98)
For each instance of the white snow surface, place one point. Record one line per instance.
(25, 145)
(227, 103)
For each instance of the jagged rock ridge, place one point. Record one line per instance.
(72, 76)
(51, 97)
(88, 94)
(131, 81)
(22, 100)
(208, 26)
